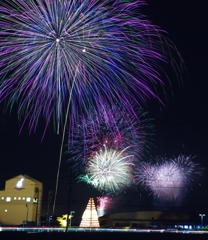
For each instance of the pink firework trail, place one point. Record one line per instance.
(103, 203)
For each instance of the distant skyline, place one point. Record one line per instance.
(181, 125)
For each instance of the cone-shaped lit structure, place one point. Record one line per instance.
(90, 216)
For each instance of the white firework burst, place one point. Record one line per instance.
(109, 170)
(168, 178)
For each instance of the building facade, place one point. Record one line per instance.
(20, 201)
(146, 219)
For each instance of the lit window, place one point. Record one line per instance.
(28, 199)
(19, 198)
(23, 198)
(35, 200)
(20, 183)
(2, 198)
(15, 198)
(8, 199)
(5, 210)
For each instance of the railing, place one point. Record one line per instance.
(77, 229)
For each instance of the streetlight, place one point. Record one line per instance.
(27, 213)
(202, 215)
(70, 220)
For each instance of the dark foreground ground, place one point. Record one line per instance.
(100, 236)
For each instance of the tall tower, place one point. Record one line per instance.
(90, 216)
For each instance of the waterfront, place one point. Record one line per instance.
(98, 233)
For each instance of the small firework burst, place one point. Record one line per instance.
(167, 178)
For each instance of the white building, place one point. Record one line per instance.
(20, 201)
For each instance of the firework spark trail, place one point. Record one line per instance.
(43, 41)
(112, 127)
(103, 203)
(109, 170)
(166, 179)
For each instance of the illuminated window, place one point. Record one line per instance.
(19, 198)
(2, 198)
(8, 199)
(20, 183)
(28, 199)
(5, 210)
(23, 198)
(15, 198)
(35, 200)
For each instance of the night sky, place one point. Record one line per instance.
(181, 125)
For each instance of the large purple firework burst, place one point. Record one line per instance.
(167, 179)
(56, 54)
(113, 128)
